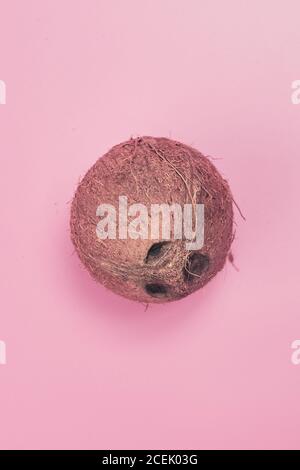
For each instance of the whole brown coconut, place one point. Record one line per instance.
(151, 170)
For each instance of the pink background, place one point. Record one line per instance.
(85, 368)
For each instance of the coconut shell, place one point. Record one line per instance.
(151, 170)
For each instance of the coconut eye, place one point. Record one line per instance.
(196, 265)
(156, 289)
(155, 251)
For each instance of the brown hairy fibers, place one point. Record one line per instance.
(151, 170)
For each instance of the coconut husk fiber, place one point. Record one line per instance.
(151, 170)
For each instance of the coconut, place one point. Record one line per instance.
(152, 171)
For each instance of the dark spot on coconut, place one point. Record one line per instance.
(156, 250)
(196, 265)
(156, 289)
